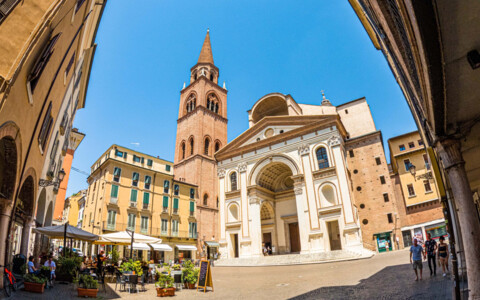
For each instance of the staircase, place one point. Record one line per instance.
(295, 259)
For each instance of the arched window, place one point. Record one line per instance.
(217, 146)
(207, 146)
(322, 158)
(195, 76)
(183, 150)
(328, 194)
(233, 213)
(216, 108)
(208, 104)
(191, 146)
(211, 77)
(233, 181)
(191, 102)
(205, 199)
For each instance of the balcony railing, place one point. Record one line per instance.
(113, 200)
(157, 231)
(133, 204)
(145, 205)
(123, 226)
(193, 235)
(192, 214)
(165, 209)
(175, 211)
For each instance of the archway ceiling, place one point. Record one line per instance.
(275, 177)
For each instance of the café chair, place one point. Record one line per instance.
(142, 282)
(133, 280)
(120, 280)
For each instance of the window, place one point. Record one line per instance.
(191, 102)
(164, 227)
(70, 64)
(402, 147)
(411, 145)
(378, 161)
(192, 230)
(426, 184)
(382, 179)
(111, 219)
(217, 146)
(117, 172)
(192, 193)
(192, 208)
(233, 181)
(166, 186)
(148, 182)
(167, 168)
(118, 153)
(135, 177)
(146, 200)
(114, 194)
(46, 127)
(7, 7)
(420, 142)
(175, 205)
(131, 222)
(133, 198)
(79, 4)
(427, 164)
(176, 189)
(149, 162)
(191, 146)
(212, 103)
(411, 190)
(174, 227)
(183, 150)
(165, 203)
(385, 197)
(205, 199)
(41, 63)
(351, 153)
(136, 158)
(390, 218)
(207, 146)
(322, 158)
(144, 225)
(407, 164)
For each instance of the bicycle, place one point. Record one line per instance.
(9, 282)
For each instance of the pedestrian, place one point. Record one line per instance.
(51, 264)
(264, 249)
(398, 242)
(100, 259)
(387, 246)
(416, 254)
(443, 255)
(430, 249)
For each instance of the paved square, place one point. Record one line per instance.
(385, 276)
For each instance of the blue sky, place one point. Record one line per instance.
(145, 52)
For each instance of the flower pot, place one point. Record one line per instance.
(34, 287)
(191, 286)
(87, 292)
(165, 292)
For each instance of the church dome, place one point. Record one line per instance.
(270, 105)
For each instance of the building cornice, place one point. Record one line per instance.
(188, 87)
(204, 110)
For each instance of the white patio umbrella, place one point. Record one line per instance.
(126, 238)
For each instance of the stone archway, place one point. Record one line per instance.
(8, 167)
(24, 211)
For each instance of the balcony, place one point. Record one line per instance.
(133, 205)
(158, 232)
(113, 200)
(193, 235)
(123, 226)
(165, 209)
(175, 211)
(145, 206)
(192, 214)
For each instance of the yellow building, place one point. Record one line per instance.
(72, 211)
(135, 191)
(420, 212)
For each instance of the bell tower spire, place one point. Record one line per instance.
(206, 56)
(205, 66)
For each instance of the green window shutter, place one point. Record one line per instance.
(114, 193)
(146, 198)
(167, 168)
(148, 179)
(192, 206)
(133, 196)
(175, 203)
(136, 176)
(165, 201)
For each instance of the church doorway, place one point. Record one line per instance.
(334, 235)
(267, 240)
(234, 238)
(294, 237)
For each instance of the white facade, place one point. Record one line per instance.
(276, 192)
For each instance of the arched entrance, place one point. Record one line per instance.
(278, 210)
(8, 168)
(23, 216)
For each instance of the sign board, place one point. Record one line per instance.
(205, 276)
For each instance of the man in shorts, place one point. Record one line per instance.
(416, 255)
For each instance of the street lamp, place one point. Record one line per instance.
(56, 184)
(413, 170)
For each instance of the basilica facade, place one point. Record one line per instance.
(284, 184)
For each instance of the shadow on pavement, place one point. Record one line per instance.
(394, 282)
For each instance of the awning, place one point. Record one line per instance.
(140, 246)
(124, 238)
(186, 247)
(59, 231)
(212, 244)
(161, 247)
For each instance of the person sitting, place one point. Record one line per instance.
(51, 264)
(31, 266)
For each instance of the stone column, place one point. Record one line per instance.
(303, 225)
(27, 229)
(5, 212)
(256, 226)
(304, 152)
(242, 170)
(221, 202)
(449, 151)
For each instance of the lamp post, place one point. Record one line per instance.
(132, 233)
(55, 183)
(413, 170)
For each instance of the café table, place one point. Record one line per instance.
(131, 279)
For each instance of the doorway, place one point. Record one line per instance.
(267, 240)
(235, 244)
(294, 237)
(334, 235)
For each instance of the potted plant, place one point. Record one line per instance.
(131, 266)
(164, 286)
(88, 286)
(190, 275)
(67, 267)
(34, 283)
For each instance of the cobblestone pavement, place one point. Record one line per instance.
(385, 276)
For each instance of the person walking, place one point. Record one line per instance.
(416, 254)
(100, 259)
(430, 250)
(443, 255)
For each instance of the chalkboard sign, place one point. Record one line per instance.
(205, 276)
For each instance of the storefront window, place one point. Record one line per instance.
(407, 238)
(437, 231)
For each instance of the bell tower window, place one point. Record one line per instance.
(183, 150)
(212, 103)
(207, 146)
(191, 146)
(191, 103)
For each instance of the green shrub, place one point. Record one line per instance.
(34, 278)
(88, 282)
(164, 281)
(68, 265)
(132, 266)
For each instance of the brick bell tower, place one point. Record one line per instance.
(202, 131)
